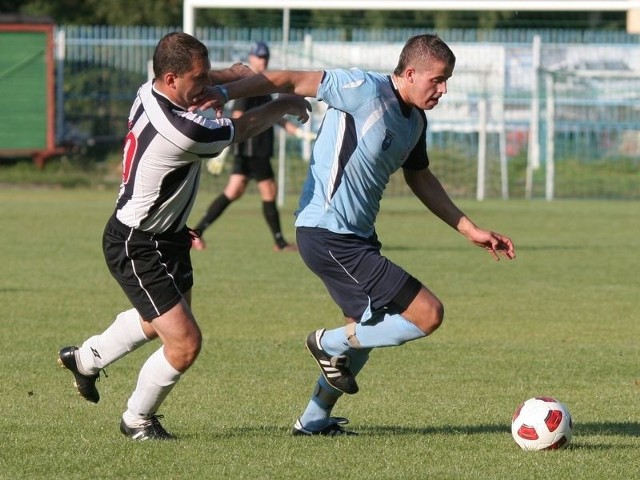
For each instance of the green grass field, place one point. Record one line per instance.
(560, 320)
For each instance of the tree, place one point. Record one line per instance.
(169, 13)
(106, 12)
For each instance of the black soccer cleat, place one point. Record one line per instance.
(333, 429)
(150, 429)
(334, 369)
(85, 384)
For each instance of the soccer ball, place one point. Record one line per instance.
(542, 423)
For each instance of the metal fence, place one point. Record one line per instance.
(553, 113)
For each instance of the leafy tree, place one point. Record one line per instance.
(238, 18)
(169, 13)
(107, 12)
(10, 6)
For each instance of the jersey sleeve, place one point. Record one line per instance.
(190, 132)
(346, 90)
(201, 135)
(418, 159)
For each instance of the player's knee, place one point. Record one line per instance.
(438, 315)
(193, 348)
(235, 192)
(426, 312)
(184, 354)
(187, 357)
(234, 195)
(432, 317)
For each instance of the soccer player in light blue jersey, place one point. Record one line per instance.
(374, 125)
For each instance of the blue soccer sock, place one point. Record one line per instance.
(356, 341)
(335, 342)
(324, 396)
(383, 330)
(390, 331)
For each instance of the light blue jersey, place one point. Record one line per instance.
(367, 134)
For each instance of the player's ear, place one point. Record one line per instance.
(169, 79)
(409, 74)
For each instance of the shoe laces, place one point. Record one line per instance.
(154, 423)
(334, 430)
(155, 420)
(97, 374)
(335, 427)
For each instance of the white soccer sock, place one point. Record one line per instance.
(157, 378)
(124, 335)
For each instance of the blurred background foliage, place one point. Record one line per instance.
(169, 13)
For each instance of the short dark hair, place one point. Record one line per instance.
(176, 52)
(260, 50)
(421, 48)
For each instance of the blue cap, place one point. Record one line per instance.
(259, 49)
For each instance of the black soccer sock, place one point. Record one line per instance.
(216, 208)
(271, 215)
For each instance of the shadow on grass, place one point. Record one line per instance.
(368, 430)
(444, 430)
(631, 429)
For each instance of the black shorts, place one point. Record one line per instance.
(257, 168)
(154, 270)
(359, 279)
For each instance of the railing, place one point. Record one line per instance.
(574, 96)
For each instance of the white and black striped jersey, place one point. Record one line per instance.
(161, 161)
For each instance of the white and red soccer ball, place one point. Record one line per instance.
(542, 423)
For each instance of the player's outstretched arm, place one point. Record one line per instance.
(429, 190)
(237, 71)
(258, 119)
(301, 83)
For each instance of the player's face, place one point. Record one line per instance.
(429, 83)
(191, 84)
(258, 64)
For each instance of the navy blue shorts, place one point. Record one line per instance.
(256, 168)
(359, 279)
(154, 270)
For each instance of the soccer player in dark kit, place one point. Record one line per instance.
(252, 160)
(146, 243)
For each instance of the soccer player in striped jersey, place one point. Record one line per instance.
(146, 241)
(375, 124)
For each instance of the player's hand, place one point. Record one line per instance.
(299, 106)
(494, 243)
(240, 71)
(211, 97)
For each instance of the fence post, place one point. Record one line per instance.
(482, 146)
(282, 134)
(533, 154)
(59, 59)
(550, 170)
